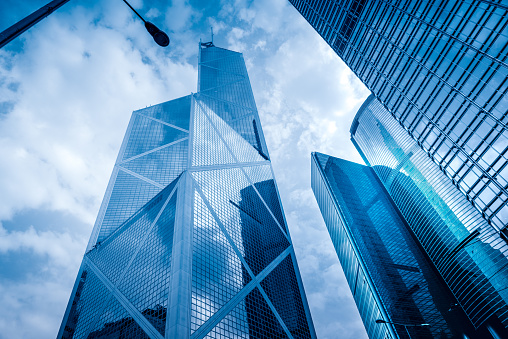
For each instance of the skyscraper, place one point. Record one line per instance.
(191, 240)
(389, 275)
(469, 253)
(436, 132)
(441, 69)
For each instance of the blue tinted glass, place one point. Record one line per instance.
(147, 134)
(262, 178)
(163, 165)
(218, 273)
(208, 148)
(281, 287)
(175, 112)
(262, 322)
(211, 77)
(128, 195)
(146, 281)
(259, 238)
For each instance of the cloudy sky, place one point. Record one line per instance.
(67, 89)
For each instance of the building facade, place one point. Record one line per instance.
(390, 276)
(191, 239)
(468, 252)
(441, 69)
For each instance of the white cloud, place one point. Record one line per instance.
(37, 314)
(61, 248)
(180, 15)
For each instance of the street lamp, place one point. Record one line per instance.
(159, 36)
(19, 27)
(381, 321)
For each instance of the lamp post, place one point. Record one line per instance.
(381, 321)
(19, 27)
(159, 36)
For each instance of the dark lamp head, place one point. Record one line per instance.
(159, 36)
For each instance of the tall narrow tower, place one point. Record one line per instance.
(467, 251)
(389, 275)
(191, 240)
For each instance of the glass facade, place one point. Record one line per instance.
(441, 69)
(467, 251)
(391, 278)
(191, 240)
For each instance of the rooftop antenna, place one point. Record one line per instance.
(209, 43)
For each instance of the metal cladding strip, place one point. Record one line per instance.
(190, 153)
(245, 174)
(180, 287)
(247, 108)
(135, 314)
(140, 177)
(275, 313)
(223, 166)
(220, 314)
(223, 85)
(142, 242)
(152, 150)
(222, 228)
(303, 296)
(204, 64)
(286, 234)
(374, 291)
(162, 122)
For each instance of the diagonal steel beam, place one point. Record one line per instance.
(131, 309)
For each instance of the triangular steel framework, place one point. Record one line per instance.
(208, 245)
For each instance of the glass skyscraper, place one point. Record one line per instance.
(435, 129)
(389, 275)
(468, 252)
(191, 240)
(441, 69)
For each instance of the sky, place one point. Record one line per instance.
(67, 90)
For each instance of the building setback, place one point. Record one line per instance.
(441, 69)
(191, 240)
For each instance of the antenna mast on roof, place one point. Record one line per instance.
(210, 43)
